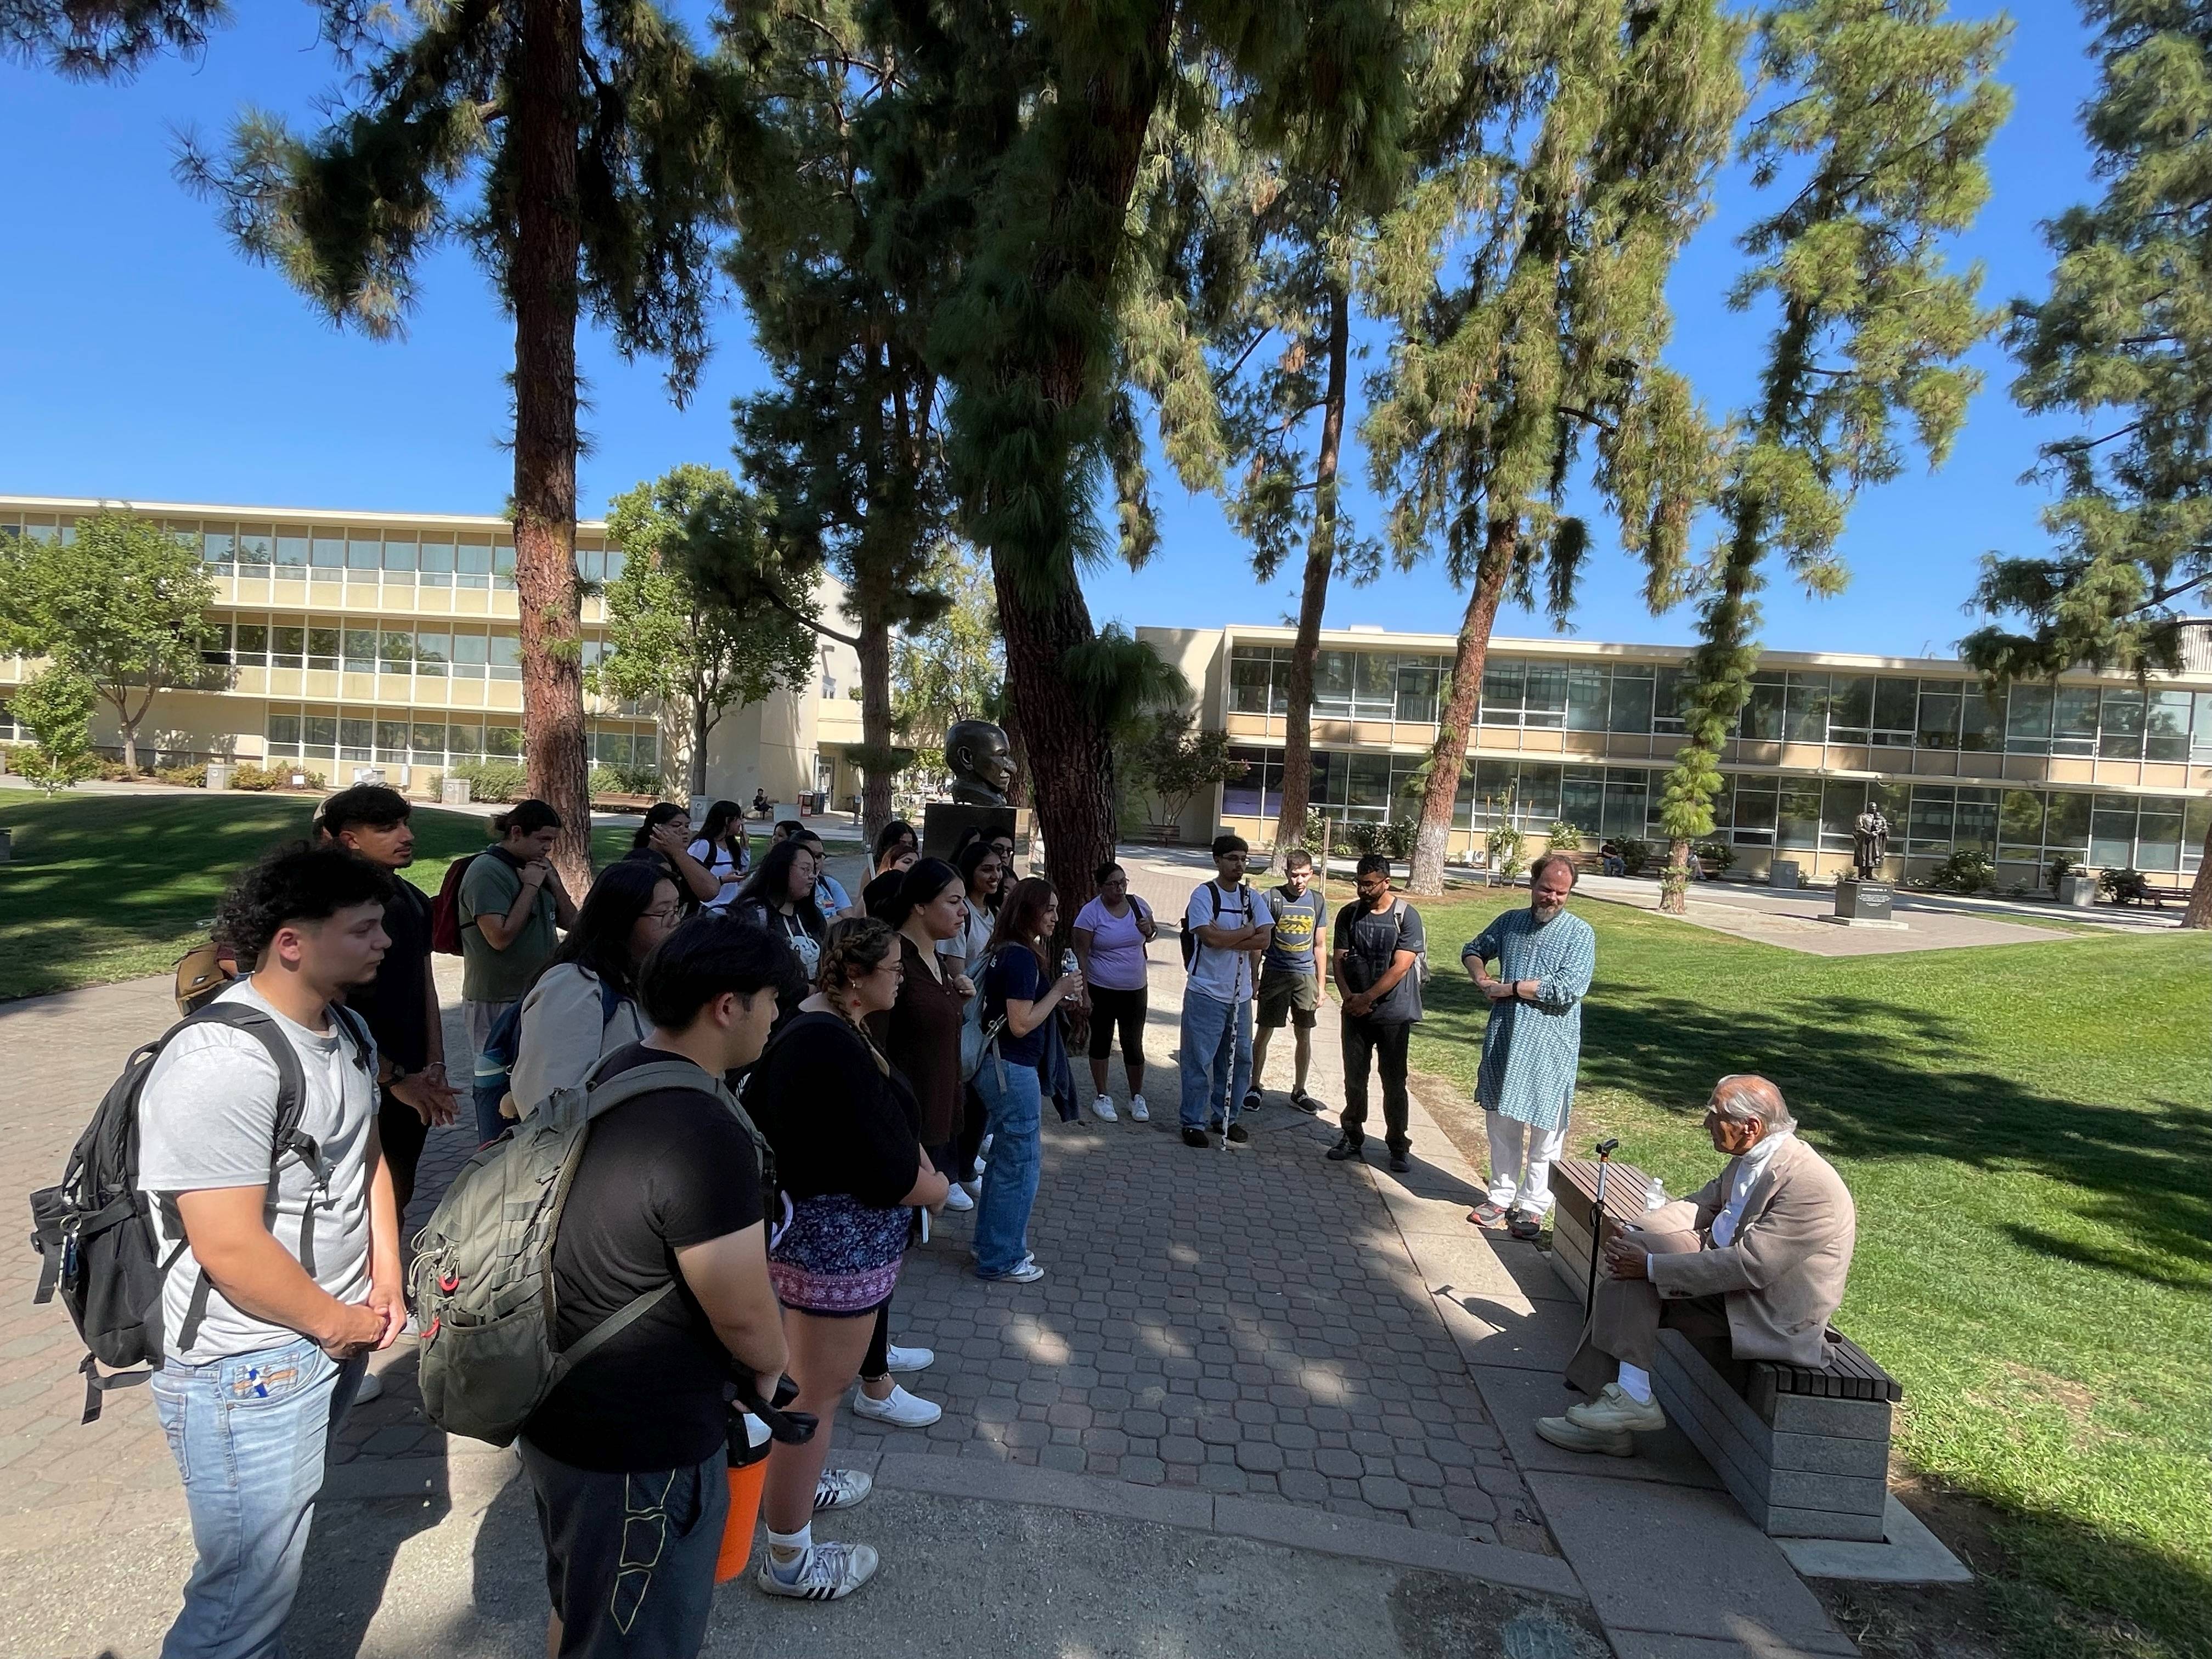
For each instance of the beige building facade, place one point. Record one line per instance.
(349, 641)
(2095, 767)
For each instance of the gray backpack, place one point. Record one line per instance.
(483, 1277)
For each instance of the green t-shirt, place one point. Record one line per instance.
(488, 888)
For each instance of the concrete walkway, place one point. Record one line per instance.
(1262, 1403)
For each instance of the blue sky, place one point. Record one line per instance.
(141, 358)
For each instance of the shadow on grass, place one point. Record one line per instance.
(2069, 1590)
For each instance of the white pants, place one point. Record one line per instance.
(1521, 1159)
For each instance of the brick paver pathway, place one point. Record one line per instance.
(1246, 1322)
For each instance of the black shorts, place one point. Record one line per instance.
(630, 1558)
(1287, 993)
(1110, 1009)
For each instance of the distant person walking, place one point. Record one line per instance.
(1110, 935)
(1216, 1002)
(510, 903)
(1533, 1044)
(724, 853)
(1290, 976)
(1379, 941)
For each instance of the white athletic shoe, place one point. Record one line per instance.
(957, 1198)
(909, 1359)
(841, 1489)
(898, 1408)
(826, 1572)
(370, 1387)
(973, 1188)
(1139, 1112)
(1102, 1107)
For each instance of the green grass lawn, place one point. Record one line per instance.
(2025, 1129)
(106, 887)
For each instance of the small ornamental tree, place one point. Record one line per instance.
(1175, 761)
(953, 668)
(678, 639)
(124, 605)
(53, 707)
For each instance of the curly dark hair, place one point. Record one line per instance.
(293, 883)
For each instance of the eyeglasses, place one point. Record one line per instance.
(663, 913)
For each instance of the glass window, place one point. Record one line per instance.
(506, 653)
(1586, 699)
(429, 743)
(1751, 812)
(1626, 801)
(1547, 696)
(1368, 789)
(464, 740)
(1581, 797)
(502, 567)
(2019, 829)
(396, 651)
(435, 563)
(1981, 720)
(1797, 814)
(284, 735)
(1375, 686)
(1939, 720)
(618, 562)
(364, 552)
(472, 564)
(1332, 694)
(470, 656)
(2027, 720)
(1842, 800)
(1894, 702)
(327, 564)
(391, 740)
(2111, 831)
(323, 650)
(2073, 721)
(1977, 829)
(2158, 833)
(1805, 708)
(1928, 829)
(1504, 683)
(592, 567)
(398, 556)
(318, 737)
(2120, 725)
(1629, 706)
(1666, 688)
(1538, 790)
(1418, 681)
(1243, 797)
(355, 737)
(432, 653)
(219, 547)
(2195, 823)
(361, 651)
(289, 648)
(215, 645)
(2066, 823)
(1761, 720)
(292, 554)
(254, 552)
(1851, 708)
(250, 644)
(503, 742)
(1249, 677)
(2165, 727)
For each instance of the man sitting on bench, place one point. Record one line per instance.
(1750, 1266)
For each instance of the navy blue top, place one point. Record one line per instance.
(1014, 975)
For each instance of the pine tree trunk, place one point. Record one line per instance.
(1313, 598)
(874, 649)
(1072, 762)
(701, 726)
(1454, 729)
(541, 139)
(2199, 912)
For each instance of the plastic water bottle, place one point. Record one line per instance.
(1068, 965)
(1654, 1195)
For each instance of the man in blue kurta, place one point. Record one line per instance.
(1526, 1086)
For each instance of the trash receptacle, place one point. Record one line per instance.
(1784, 874)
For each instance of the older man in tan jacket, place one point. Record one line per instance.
(1748, 1268)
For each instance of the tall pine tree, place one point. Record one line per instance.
(105, 40)
(582, 152)
(2123, 340)
(1875, 118)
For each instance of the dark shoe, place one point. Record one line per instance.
(1522, 1225)
(1238, 1134)
(1400, 1163)
(1253, 1102)
(1195, 1137)
(1346, 1147)
(1304, 1102)
(1214, 1125)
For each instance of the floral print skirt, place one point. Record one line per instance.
(838, 1256)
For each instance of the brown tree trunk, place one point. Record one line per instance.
(2199, 912)
(700, 727)
(543, 138)
(1313, 598)
(1019, 795)
(873, 647)
(1433, 839)
(1070, 762)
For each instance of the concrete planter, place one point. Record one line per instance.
(1783, 874)
(2077, 892)
(452, 791)
(218, 774)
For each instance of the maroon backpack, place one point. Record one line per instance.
(446, 909)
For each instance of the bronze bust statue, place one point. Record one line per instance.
(981, 762)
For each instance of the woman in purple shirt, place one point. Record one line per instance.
(1111, 932)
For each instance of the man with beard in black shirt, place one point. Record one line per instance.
(627, 1456)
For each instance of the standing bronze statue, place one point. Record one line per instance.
(1870, 842)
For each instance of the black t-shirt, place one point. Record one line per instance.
(837, 1122)
(1374, 937)
(395, 1003)
(667, 1170)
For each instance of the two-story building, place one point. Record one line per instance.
(2098, 768)
(347, 640)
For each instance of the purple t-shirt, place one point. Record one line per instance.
(1117, 949)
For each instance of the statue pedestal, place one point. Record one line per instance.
(1863, 904)
(944, 821)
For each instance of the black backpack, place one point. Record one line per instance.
(95, 1232)
(1190, 941)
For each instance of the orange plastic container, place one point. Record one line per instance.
(737, 1550)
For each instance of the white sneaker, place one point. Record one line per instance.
(826, 1573)
(1102, 1107)
(899, 1408)
(909, 1359)
(1139, 1112)
(1616, 1412)
(1028, 1273)
(973, 1188)
(371, 1387)
(957, 1199)
(841, 1489)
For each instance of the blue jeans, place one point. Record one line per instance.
(1216, 1055)
(1013, 1097)
(249, 1433)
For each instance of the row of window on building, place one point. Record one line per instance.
(446, 652)
(429, 559)
(363, 735)
(1880, 711)
(1796, 814)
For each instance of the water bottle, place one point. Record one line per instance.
(1654, 1195)
(1068, 965)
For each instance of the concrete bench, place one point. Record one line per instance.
(1804, 1448)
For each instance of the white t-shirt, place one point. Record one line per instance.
(1223, 975)
(206, 1119)
(724, 867)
